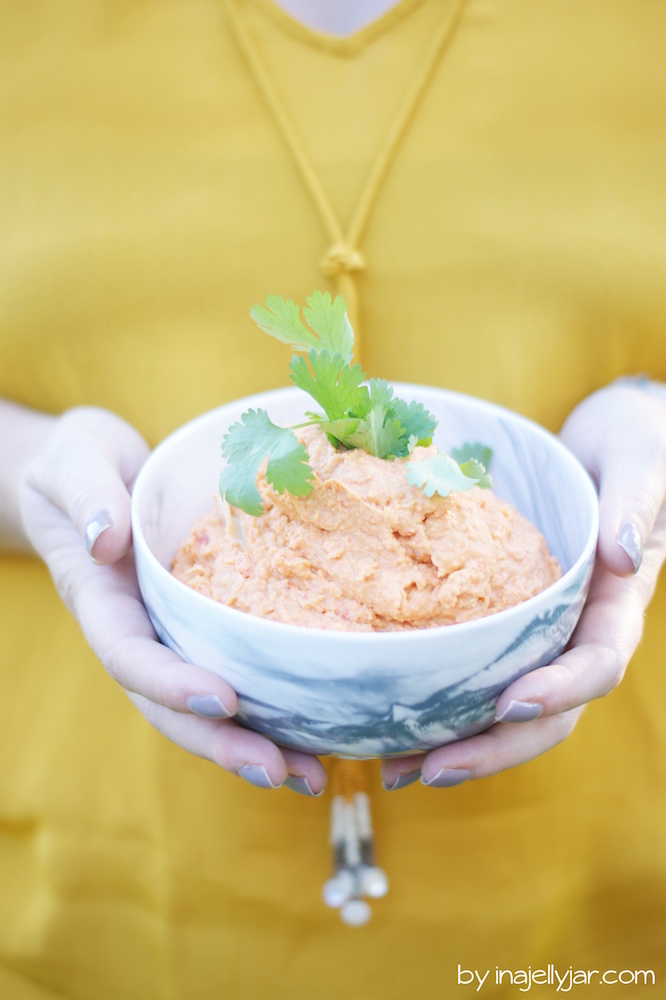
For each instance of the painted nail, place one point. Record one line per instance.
(257, 775)
(630, 541)
(297, 783)
(520, 711)
(207, 705)
(94, 528)
(404, 779)
(448, 777)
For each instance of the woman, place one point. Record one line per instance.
(482, 181)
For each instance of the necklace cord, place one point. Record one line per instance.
(343, 259)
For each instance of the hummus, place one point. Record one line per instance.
(366, 551)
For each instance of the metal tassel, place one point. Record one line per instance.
(356, 878)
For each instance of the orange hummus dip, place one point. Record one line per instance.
(366, 551)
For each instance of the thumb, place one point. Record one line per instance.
(623, 444)
(87, 473)
(630, 497)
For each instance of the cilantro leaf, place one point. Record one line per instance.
(329, 320)
(281, 319)
(246, 445)
(339, 431)
(441, 474)
(418, 422)
(474, 469)
(480, 452)
(381, 393)
(390, 426)
(379, 433)
(377, 393)
(332, 383)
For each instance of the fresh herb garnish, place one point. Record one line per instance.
(480, 452)
(441, 474)
(246, 446)
(355, 415)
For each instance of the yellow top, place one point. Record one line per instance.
(514, 247)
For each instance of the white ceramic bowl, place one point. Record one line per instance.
(360, 694)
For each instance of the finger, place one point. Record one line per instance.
(629, 465)
(241, 751)
(154, 674)
(162, 681)
(307, 774)
(605, 639)
(189, 706)
(108, 606)
(399, 772)
(497, 749)
(225, 743)
(87, 472)
(579, 676)
(632, 487)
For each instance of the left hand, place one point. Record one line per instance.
(619, 435)
(75, 489)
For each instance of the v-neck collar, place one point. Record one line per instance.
(337, 44)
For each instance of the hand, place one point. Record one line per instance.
(75, 495)
(619, 434)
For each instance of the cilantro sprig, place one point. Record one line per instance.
(353, 414)
(246, 446)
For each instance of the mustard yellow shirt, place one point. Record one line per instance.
(514, 247)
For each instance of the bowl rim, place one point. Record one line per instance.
(345, 637)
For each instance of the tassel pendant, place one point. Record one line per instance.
(356, 877)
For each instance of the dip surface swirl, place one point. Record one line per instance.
(366, 551)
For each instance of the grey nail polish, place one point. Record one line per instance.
(301, 785)
(520, 711)
(257, 775)
(630, 541)
(207, 705)
(448, 777)
(408, 778)
(94, 528)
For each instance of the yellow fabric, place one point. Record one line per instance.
(516, 250)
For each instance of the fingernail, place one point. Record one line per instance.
(257, 775)
(630, 541)
(448, 777)
(94, 528)
(407, 778)
(299, 784)
(520, 711)
(208, 705)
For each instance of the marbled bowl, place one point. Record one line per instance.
(360, 694)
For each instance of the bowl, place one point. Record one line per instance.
(368, 694)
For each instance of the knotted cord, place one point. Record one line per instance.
(343, 260)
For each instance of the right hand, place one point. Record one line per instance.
(75, 505)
